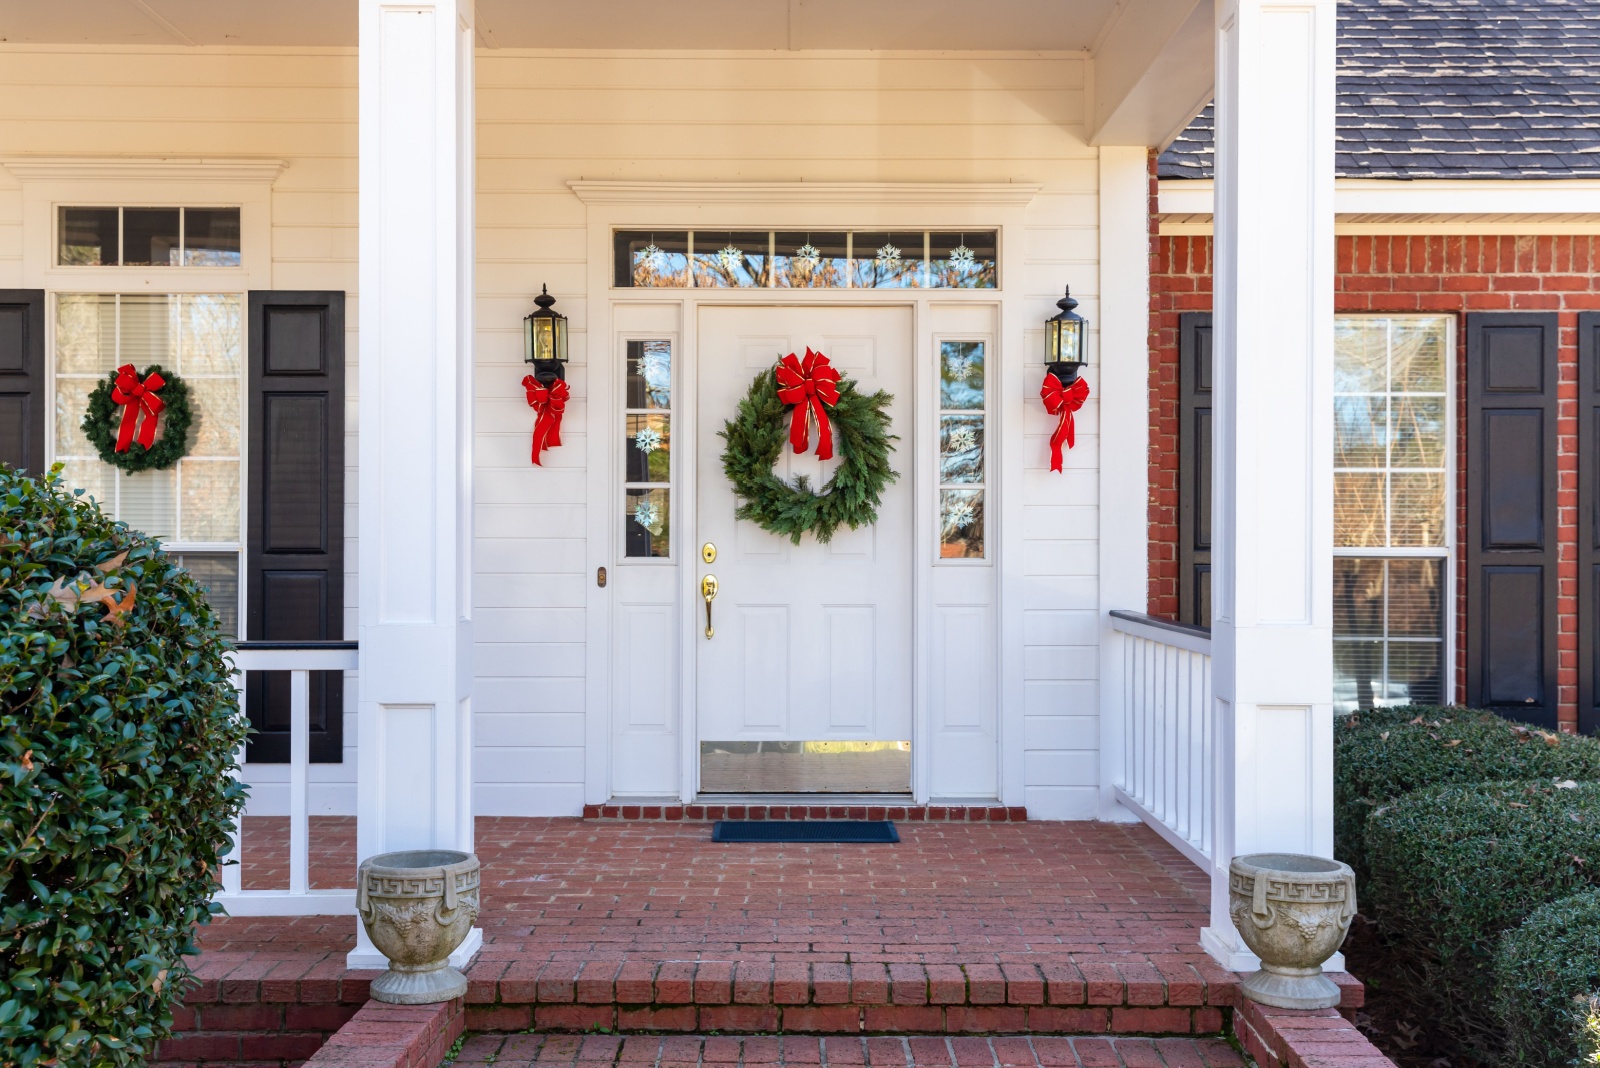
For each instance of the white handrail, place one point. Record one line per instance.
(299, 660)
(1169, 743)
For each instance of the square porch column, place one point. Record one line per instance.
(1272, 496)
(414, 739)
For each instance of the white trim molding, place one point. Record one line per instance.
(856, 194)
(107, 168)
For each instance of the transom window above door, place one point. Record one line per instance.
(147, 237)
(805, 259)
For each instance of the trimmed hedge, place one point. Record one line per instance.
(1546, 974)
(1452, 868)
(118, 729)
(1382, 754)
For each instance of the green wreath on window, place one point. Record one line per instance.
(756, 436)
(139, 422)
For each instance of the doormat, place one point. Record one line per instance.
(804, 831)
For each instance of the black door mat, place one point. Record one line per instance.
(804, 831)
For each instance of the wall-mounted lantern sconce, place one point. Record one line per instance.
(1065, 338)
(544, 339)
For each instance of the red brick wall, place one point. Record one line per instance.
(1438, 274)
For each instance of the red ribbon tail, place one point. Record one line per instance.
(824, 431)
(546, 432)
(147, 429)
(1063, 432)
(799, 434)
(130, 418)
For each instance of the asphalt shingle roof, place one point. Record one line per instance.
(1454, 89)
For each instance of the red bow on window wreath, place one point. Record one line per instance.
(549, 401)
(1063, 401)
(141, 406)
(811, 385)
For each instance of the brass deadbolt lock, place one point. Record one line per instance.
(708, 553)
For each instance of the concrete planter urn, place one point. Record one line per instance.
(418, 906)
(1293, 911)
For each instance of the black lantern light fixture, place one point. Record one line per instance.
(544, 339)
(1065, 337)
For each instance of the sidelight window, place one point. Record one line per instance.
(647, 450)
(962, 450)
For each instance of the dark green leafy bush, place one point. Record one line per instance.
(118, 730)
(1452, 868)
(1547, 973)
(1382, 754)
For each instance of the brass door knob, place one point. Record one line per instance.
(708, 590)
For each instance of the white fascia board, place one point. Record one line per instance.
(1432, 196)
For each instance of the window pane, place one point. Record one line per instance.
(148, 501)
(215, 404)
(649, 449)
(1359, 518)
(1357, 674)
(218, 575)
(961, 374)
(730, 260)
(651, 260)
(212, 334)
(888, 260)
(149, 331)
(963, 261)
(1419, 431)
(1416, 509)
(210, 500)
(960, 524)
(150, 237)
(960, 448)
(88, 237)
(649, 374)
(1415, 673)
(86, 333)
(1360, 355)
(97, 480)
(211, 237)
(646, 520)
(1418, 359)
(72, 403)
(1359, 430)
(806, 260)
(1358, 597)
(1416, 598)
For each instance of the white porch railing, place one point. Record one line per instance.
(1169, 741)
(299, 659)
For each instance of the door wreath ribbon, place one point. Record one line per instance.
(812, 386)
(549, 401)
(1063, 401)
(141, 406)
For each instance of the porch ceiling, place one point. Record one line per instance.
(762, 24)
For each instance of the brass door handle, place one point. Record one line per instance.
(708, 590)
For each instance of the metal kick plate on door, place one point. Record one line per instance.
(708, 553)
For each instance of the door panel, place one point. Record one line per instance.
(812, 642)
(1589, 522)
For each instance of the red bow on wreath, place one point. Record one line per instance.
(139, 397)
(549, 401)
(1063, 401)
(809, 385)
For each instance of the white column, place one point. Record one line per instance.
(1121, 380)
(414, 767)
(1272, 501)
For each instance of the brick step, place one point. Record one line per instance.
(255, 1032)
(709, 1051)
(902, 813)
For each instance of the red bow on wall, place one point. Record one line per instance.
(549, 401)
(1062, 400)
(809, 385)
(138, 397)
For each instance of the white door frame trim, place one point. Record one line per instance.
(820, 206)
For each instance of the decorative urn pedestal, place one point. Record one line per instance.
(1293, 911)
(418, 906)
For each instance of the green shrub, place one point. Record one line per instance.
(118, 730)
(1452, 869)
(1382, 754)
(1547, 973)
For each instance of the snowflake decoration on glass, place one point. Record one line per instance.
(647, 515)
(961, 256)
(962, 439)
(649, 255)
(729, 256)
(888, 256)
(958, 367)
(959, 515)
(648, 439)
(807, 254)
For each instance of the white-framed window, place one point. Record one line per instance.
(963, 449)
(196, 507)
(647, 450)
(1394, 466)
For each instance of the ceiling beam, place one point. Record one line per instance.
(1153, 71)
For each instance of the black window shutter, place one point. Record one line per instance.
(295, 549)
(22, 386)
(1511, 514)
(1194, 468)
(1589, 522)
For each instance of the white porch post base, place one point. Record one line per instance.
(367, 958)
(1272, 496)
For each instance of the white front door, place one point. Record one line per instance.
(806, 684)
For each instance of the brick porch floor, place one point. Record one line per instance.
(1043, 927)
